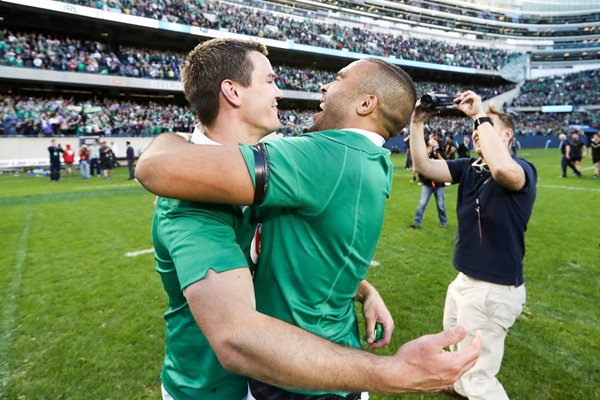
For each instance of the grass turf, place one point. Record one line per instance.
(80, 320)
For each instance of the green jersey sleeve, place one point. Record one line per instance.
(199, 239)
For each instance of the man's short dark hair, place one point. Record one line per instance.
(128, 142)
(396, 93)
(208, 65)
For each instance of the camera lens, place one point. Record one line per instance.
(428, 101)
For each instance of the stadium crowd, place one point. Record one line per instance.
(37, 50)
(68, 116)
(62, 116)
(575, 89)
(256, 22)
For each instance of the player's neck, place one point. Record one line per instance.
(231, 131)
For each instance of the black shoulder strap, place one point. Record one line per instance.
(261, 172)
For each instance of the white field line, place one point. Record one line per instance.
(570, 188)
(107, 186)
(139, 252)
(10, 307)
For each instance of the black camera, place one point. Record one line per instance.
(437, 101)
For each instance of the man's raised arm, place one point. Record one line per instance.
(171, 167)
(436, 170)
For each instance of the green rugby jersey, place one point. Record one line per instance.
(189, 239)
(321, 220)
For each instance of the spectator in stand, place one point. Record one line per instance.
(305, 29)
(54, 151)
(84, 165)
(578, 151)
(68, 159)
(464, 148)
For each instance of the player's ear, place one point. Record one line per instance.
(229, 90)
(368, 104)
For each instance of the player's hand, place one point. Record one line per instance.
(375, 311)
(424, 365)
(420, 115)
(469, 103)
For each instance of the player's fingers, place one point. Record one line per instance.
(370, 321)
(449, 337)
(469, 355)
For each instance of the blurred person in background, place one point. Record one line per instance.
(107, 159)
(578, 152)
(565, 150)
(68, 159)
(55, 151)
(449, 148)
(464, 148)
(429, 187)
(130, 155)
(595, 150)
(84, 164)
(95, 158)
(496, 194)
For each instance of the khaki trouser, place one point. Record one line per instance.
(493, 309)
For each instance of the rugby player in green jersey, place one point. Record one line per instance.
(322, 196)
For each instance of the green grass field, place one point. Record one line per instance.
(80, 320)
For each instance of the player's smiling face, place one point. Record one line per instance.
(338, 97)
(260, 108)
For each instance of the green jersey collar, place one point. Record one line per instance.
(372, 136)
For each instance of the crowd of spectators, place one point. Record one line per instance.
(574, 89)
(37, 50)
(36, 116)
(42, 51)
(311, 31)
(67, 116)
(58, 116)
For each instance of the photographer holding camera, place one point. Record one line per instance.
(495, 199)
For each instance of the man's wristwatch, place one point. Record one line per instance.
(482, 120)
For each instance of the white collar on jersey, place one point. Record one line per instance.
(372, 136)
(199, 136)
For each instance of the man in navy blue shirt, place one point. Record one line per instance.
(495, 199)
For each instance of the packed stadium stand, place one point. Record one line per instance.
(111, 67)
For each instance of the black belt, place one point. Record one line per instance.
(264, 391)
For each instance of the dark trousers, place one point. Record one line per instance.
(564, 163)
(95, 166)
(54, 172)
(131, 169)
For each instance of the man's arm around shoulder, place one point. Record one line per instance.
(171, 167)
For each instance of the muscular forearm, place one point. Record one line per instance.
(171, 167)
(504, 169)
(280, 354)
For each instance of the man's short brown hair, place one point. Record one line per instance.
(208, 65)
(506, 119)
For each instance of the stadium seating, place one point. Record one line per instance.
(574, 89)
(254, 22)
